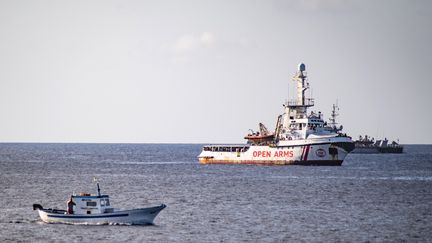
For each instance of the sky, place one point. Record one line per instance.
(188, 71)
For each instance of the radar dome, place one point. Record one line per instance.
(302, 67)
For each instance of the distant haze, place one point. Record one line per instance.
(207, 71)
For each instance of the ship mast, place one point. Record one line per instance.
(295, 116)
(300, 77)
(334, 114)
(332, 119)
(300, 104)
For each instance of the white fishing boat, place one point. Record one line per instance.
(300, 138)
(96, 209)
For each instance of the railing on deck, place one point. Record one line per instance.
(296, 103)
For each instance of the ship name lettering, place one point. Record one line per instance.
(263, 154)
(277, 154)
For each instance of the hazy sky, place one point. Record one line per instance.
(207, 71)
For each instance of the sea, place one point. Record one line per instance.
(370, 198)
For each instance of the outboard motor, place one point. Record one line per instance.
(37, 206)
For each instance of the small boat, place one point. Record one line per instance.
(86, 208)
(261, 137)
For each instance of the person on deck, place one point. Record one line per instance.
(70, 205)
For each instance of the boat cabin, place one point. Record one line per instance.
(86, 203)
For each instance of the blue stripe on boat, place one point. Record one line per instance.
(87, 216)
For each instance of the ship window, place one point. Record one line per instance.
(91, 204)
(104, 202)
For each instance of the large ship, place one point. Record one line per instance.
(300, 138)
(367, 145)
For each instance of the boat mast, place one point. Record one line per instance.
(97, 183)
(98, 189)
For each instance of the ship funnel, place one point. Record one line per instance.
(302, 67)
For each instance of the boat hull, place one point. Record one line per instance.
(391, 150)
(321, 153)
(276, 162)
(140, 216)
(365, 150)
(377, 150)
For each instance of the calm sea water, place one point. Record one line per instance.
(382, 197)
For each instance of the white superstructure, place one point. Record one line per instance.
(299, 138)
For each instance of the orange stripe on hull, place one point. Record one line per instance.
(271, 162)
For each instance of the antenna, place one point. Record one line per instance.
(288, 91)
